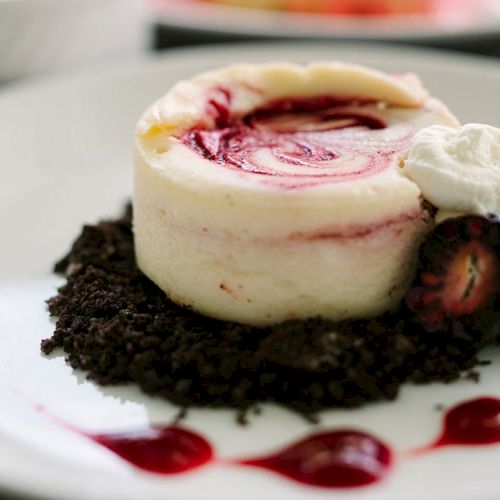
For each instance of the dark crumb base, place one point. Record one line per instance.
(118, 326)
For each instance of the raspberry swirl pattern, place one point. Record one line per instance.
(322, 139)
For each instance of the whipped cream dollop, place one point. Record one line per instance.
(457, 169)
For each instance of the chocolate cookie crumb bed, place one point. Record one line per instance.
(116, 325)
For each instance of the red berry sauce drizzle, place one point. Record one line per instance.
(340, 459)
(163, 450)
(299, 140)
(336, 459)
(474, 422)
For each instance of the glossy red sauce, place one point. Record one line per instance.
(335, 459)
(163, 450)
(475, 422)
(339, 459)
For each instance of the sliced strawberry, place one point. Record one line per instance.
(457, 286)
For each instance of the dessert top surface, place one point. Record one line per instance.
(326, 132)
(294, 143)
(252, 86)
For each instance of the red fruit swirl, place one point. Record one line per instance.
(163, 449)
(301, 141)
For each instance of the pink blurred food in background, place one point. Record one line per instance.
(412, 21)
(362, 7)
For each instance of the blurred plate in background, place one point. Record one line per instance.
(43, 35)
(444, 19)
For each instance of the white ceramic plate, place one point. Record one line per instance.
(482, 20)
(66, 158)
(40, 36)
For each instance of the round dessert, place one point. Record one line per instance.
(269, 192)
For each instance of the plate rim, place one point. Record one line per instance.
(115, 68)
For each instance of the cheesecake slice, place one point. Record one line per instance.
(269, 192)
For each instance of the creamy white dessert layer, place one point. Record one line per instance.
(270, 192)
